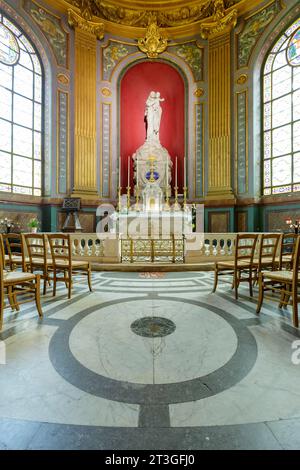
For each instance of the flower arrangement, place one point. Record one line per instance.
(6, 225)
(33, 224)
(295, 225)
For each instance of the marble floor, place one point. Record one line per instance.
(150, 361)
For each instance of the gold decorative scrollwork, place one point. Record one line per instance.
(62, 78)
(153, 43)
(199, 92)
(92, 27)
(106, 91)
(242, 79)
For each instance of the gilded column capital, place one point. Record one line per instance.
(220, 21)
(92, 27)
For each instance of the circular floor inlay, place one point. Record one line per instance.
(153, 327)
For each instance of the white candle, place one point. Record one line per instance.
(128, 175)
(184, 172)
(176, 173)
(137, 174)
(120, 171)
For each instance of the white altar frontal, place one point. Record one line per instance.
(151, 215)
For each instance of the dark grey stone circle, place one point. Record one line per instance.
(153, 327)
(238, 367)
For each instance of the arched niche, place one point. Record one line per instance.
(188, 137)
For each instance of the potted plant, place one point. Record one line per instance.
(33, 224)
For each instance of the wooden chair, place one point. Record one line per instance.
(287, 250)
(266, 259)
(13, 284)
(244, 252)
(5, 258)
(14, 243)
(60, 245)
(284, 282)
(39, 258)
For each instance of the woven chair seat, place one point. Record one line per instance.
(264, 261)
(75, 264)
(230, 264)
(278, 275)
(13, 277)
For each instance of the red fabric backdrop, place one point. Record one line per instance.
(136, 85)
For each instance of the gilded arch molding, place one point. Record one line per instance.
(111, 101)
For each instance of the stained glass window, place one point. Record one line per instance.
(281, 114)
(20, 112)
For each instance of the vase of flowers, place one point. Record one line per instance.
(6, 225)
(33, 224)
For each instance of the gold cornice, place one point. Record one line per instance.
(92, 27)
(243, 7)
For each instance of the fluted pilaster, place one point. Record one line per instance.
(219, 166)
(85, 183)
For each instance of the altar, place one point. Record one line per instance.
(154, 224)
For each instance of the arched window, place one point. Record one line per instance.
(281, 120)
(21, 132)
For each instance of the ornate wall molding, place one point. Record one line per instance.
(63, 138)
(52, 29)
(253, 28)
(112, 54)
(199, 149)
(193, 54)
(105, 150)
(241, 112)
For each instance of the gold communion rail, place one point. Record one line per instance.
(153, 250)
(192, 249)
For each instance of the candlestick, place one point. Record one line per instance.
(176, 205)
(119, 199)
(128, 196)
(184, 196)
(167, 205)
(137, 198)
(128, 171)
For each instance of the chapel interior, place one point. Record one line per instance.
(149, 224)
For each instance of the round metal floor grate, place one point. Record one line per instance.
(153, 327)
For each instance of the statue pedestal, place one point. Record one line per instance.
(152, 164)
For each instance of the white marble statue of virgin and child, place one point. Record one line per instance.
(153, 113)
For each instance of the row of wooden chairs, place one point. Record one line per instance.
(273, 271)
(46, 257)
(15, 284)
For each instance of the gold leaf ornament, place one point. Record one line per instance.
(106, 91)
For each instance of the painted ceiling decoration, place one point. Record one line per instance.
(141, 14)
(173, 18)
